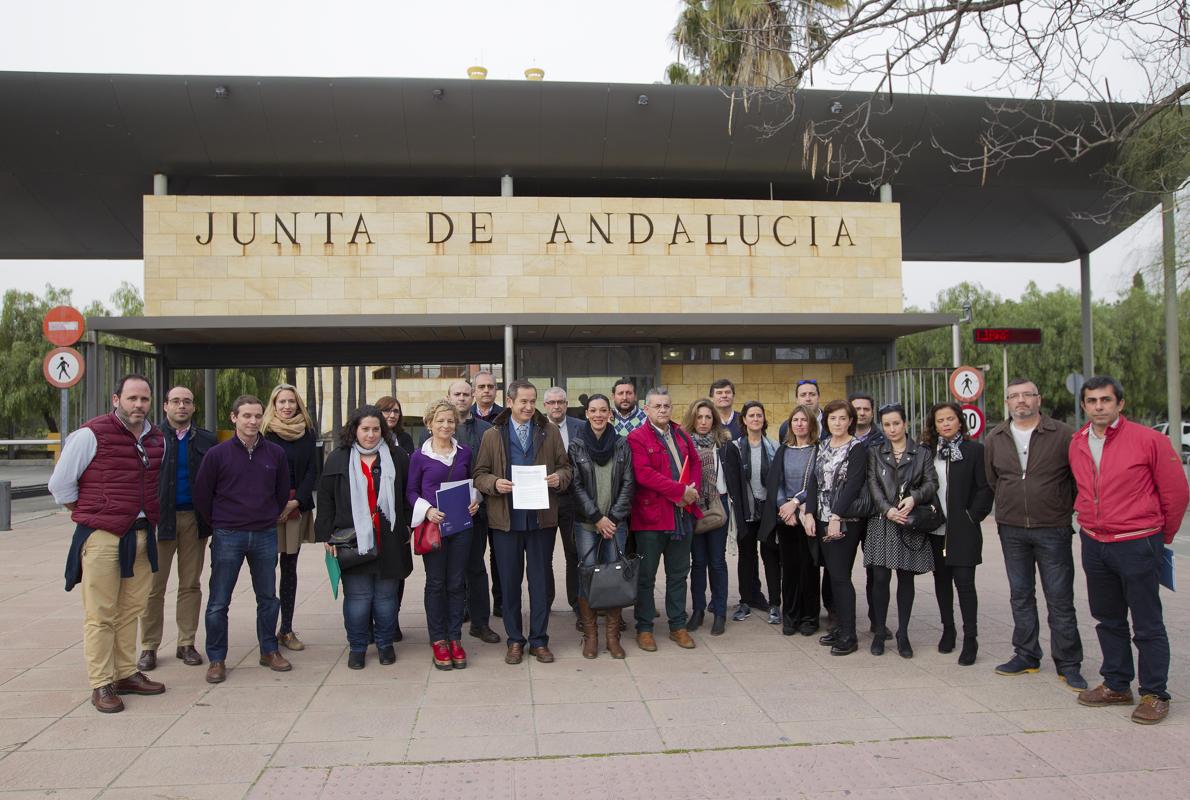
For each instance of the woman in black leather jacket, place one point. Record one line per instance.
(901, 477)
(603, 486)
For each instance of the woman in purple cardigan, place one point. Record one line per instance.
(441, 459)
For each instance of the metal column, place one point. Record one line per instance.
(509, 355)
(210, 401)
(1084, 272)
(1173, 369)
(506, 186)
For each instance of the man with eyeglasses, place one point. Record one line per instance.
(568, 427)
(242, 486)
(486, 408)
(181, 531)
(1028, 466)
(107, 476)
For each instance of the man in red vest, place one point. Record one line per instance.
(107, 477)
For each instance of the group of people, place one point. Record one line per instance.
(625, 479)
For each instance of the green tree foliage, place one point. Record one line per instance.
(1129, 344)
(28, 405)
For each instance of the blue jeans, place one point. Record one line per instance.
(591, 548)
(369, 609)
(1048, 551)
(1123, 577)
(446, 586)
(228, 551)
(708, 553)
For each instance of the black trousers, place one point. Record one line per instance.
(839, 557)
(476, 576)
(946, 580)
(748, 567)
(799, 577)
(880, 589)
(494, 571)
(566, 533)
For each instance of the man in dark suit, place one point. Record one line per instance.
(555, 411)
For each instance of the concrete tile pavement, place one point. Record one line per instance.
(750, 714)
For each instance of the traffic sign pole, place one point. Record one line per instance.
(63, 417)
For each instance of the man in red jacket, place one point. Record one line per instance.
(1132, 494)
(661, 455)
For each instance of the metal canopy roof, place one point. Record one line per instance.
(78, 151)
(406, 328)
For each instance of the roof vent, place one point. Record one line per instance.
(535, 74)
(477, 73)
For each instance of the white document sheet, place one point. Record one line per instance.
(529, 491)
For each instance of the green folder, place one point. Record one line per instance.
(334, 573)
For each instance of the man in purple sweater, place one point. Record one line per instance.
(241, 488)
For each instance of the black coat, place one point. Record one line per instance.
(201, 440)
(772, 487)
(968, 502)
(737, 474)
(302, 455)
(886, 477)
(334, 513)
(582, 484)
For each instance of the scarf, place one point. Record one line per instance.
(702, 440)
(361, 513)
(948, 449)
(288, 429)
(601, 448)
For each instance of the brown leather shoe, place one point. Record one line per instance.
(646, 642)
(147, 661)
(106, 701)
(516, 652)
(216, 672)
(189, 655)
(682, 637)
(138, 683)
(1151, 710)
(1103, 696)
(290, 641)
(275, 661)
(542, 654)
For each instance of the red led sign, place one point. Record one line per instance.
(1008, 335)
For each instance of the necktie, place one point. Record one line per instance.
(522, 432)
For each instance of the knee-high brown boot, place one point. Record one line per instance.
(612, 630)
(590, 629)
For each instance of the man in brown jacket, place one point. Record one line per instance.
(1028, 466)
(522, 436)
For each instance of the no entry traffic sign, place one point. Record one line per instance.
(63, 325)
(63, 367)
(974, 419)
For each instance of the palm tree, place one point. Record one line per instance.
(742, 43)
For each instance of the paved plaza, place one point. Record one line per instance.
(751, 714)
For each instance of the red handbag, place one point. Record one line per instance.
(427, 537)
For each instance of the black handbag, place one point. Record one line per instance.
(347, 549)
(925, 518)
(610, 585)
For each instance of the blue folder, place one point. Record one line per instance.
(1167, 579)
(454, 502)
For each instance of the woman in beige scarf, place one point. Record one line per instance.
(287, 423)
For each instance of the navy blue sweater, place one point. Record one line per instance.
(241, 491)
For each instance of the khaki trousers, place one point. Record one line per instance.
(191, 552)
(111, 606)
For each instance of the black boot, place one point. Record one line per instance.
(946, 643)
(903, 646)
(970, 650)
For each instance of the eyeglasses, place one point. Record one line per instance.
(1023, 395)
(144, 457)
(804, 381)
(181, 401)
(555, 402)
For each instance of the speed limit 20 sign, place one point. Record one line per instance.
(974, 419)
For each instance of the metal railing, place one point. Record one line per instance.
(917, 389)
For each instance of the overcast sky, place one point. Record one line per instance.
(608, 41)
